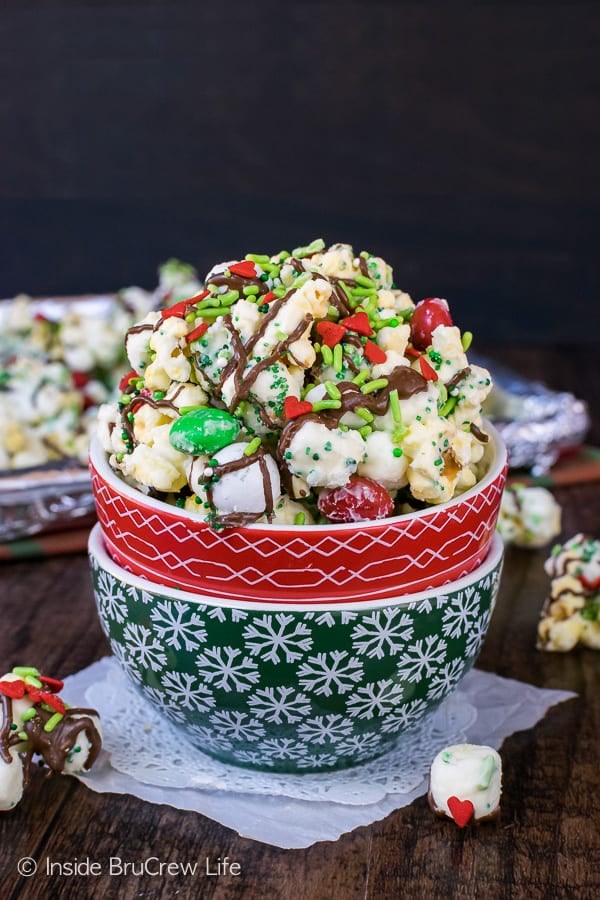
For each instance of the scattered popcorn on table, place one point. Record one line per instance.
(465, 784)
(529, 516)
(330, 378)
(36, 722)
(59, 360)
(571, 613)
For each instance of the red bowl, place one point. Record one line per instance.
(299, 563)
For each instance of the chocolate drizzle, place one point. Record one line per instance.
(53, 746)
(402, 379)
(236, 519)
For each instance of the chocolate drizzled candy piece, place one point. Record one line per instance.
(35, 721)
(465, 784)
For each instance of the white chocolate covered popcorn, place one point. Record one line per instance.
(465, 783)
(529, 516)
(61, 359)
(322, 370)
(571, 612)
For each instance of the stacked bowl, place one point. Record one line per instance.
(296, 648)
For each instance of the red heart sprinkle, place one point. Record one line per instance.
(359, 322)
(462, 810)
(178, 310)
(331, 333)
(268, 297)
(410, 351)
(427, 371)
(13, 689)
(294, 407)
(374, 353)
(246, 269)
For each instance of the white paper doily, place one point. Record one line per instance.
(146, 755)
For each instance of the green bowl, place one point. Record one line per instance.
(294, 687)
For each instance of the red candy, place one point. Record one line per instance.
(359, 500)
(428, 314)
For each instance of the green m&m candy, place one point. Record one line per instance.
(203, 430)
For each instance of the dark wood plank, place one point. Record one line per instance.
(544, 846)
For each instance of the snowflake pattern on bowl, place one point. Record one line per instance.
(295, 690)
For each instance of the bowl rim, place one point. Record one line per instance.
(98, 552)
(98, 459)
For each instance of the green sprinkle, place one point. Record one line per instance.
(14, 727)
(188, 409)
(34, 682)
(362, 376)
(443, 392)
(28, 714)
(397, 452)
(22, 735)
(327, 354)
(314, 247)
(213, 463)
(212, 313)
(301, 280)
(406, 314)
(180, 502)
(488, 767)
(448, 406)
(395, 407)
(399, 433)
(374, 385)
(365, 431)
(52, 722)
(252, 447)
(364, 281)
(338, 358)
(364, 414)
(249, 290)
(24, 671)
(326, 404)
(333, 391)
(466, 340)
(229, 297)
(260, 258)
(299, 518)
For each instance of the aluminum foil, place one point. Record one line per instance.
(536, 423)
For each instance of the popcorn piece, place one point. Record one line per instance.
(322, 456)
(465, 783)
(571, 613)
(529, 516)
(35, 722)
(315, 356)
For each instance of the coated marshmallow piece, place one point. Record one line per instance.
(465, 783)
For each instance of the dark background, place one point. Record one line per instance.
(458, 140)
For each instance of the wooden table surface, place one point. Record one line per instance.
(546, 844)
